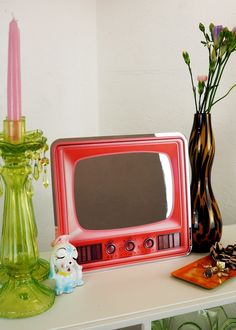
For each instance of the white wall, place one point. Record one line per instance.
(59, 78)
(127, 52)
(144, 84)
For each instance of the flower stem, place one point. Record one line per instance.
(208, 87)
(193, 87)
(216, 82)
(199, 103)
(211, 73)
(224, 95)
(214, 85)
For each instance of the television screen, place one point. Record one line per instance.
(132, 189)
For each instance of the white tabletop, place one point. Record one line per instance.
(115, 298)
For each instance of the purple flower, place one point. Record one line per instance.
(234, 30)
(216, 32)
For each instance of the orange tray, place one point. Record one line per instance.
(194, 273)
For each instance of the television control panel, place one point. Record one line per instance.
(130, 246)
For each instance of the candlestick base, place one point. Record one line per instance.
(24, 297)
(39, 273)
(3, 277)
(23, 159)
(41, 270)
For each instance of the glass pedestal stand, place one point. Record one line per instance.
(23, 155)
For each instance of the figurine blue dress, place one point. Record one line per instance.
(64, 268)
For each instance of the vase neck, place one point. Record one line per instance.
(202, 118)
(202, 123)
(202, 145)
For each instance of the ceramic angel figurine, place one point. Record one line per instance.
(64, 267)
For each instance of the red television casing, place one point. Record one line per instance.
(112, 247)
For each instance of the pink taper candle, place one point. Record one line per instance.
(14, 73)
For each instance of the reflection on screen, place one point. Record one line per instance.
(123, 190)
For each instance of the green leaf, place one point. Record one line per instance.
(202, 27)
(207, 37)
(201, 85)
(223, 50)
(211, 28)
(212, 65)
(186, 57)
(213, 54)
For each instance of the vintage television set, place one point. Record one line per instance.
(122, 199)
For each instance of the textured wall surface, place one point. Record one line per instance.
(144, 85)
(115, 67)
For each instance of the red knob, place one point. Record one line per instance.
(148, 243)
(129, 246)
(110, 248)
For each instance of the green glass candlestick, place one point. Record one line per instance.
(23, 155)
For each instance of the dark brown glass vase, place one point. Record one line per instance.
(206, 218)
